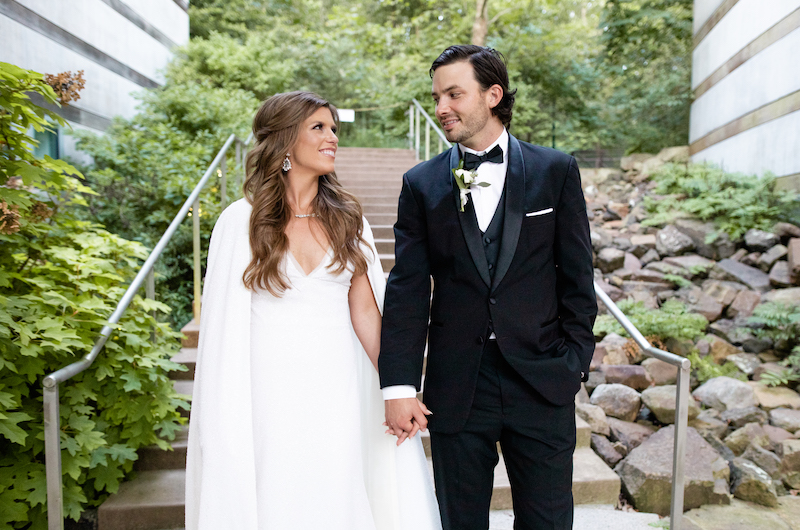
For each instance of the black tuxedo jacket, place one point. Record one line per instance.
(541, 302)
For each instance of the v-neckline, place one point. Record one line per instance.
(299, 267)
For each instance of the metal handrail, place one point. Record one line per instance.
(52, 441)
(416, 110)
(684, 366)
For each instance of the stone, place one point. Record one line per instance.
(661, 401)
(790, 463)
(649, 257)
(739, 254)
(629, 434)
(779, 275)
(648, 275)
(789, 296)
(634, 376)
(582, 396)
(722, 292)
(631, 262)
(641, 243)
(773, 397)
(751, 433)
(622, 243)
(744, 304)
(647, 298)
(600, 239)
(605, 450)
(723, 393)
(694, 264)
(597, 357)
(682, 347)
(793, 256)
(720, 349)
(753, 344)
(742, 515)
(610, 259)
(672, 242)
(720, 447)
(777, 435)
(759, 241)
(753, 278)
(708, 423)
(768, 367)
(615, 293)
(786, 230)
(595, 379)
(662, 373)
(772, 255)
(662, 267)
(730, 330)
(745, 362)
(646, 473)
(634, 162)
(751, 483)
(617, 401)
(788, 419)
(751, 259)
(616, 347)
(594, 416)
(738, 418)
(766, 460)
(720, 246)
(706, 306)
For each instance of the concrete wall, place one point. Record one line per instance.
(746, 82)
(122, 46)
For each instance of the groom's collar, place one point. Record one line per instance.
(502, 141)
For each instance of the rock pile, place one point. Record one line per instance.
(743, 437)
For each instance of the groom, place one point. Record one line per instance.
(509, 328)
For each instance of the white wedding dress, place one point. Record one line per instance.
(285, 432)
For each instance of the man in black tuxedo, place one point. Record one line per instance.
(509, 328)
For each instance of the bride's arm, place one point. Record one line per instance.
(365, 317)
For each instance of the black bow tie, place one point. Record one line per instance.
(471, 161)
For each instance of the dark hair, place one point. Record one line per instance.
(490, 69)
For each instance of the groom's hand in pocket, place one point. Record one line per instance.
(405, 417)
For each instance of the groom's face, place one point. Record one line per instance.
(462, 107)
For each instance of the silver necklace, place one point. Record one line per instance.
(302, 216)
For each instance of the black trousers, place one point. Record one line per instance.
(537, 440)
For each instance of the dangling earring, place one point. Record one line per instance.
(286, 164)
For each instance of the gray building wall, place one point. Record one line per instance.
(746, 82)
(122, 46)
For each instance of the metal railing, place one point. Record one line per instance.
(52, 439)
(415, 115)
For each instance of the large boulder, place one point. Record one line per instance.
(738, 418)
(646, 473)
(632, 375)
(720, 245)
(766, 460)
(661, 401)
(616, 348)
(723, 292)
(629, 434)
(751, 483)
(745, 362)
(662, 373)
(774, 397)
(723, 393)
(751, 433)
(709, 423)
(790, 296)
(617, 401)
(754, 278)
(760, 241)
(788, 419)
(694, 265)
(671, 242)
(790, 463)
(594, 416)
(742, 515)
(719, 348)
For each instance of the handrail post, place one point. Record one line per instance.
(196, 261)
(427, 141)
(681, 426)
(416, 134)
(411, 126)
(52, 455)
(223, 185)
(240, 164)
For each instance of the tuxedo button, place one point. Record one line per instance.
(491, 266)
(487, 240)
(492, 301)
(479, 340)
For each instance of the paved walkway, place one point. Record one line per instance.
(589, 517)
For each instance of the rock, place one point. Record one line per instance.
(605, 450)
(661, 401)
(779, 275)
(790, 463)
(647, 298)
(751, 483)
(641, 243)
(744, 304)
(759, 240)
(705, 305)
(631, 262)
(753, 344)
(616, 348)
(730, 330)
(695, 265)
(742, 515)
(766, 460)
(708, 423)
(617, 401)
(790, 296)
(595, 379)
(615, 293)
(600, 239)
(786, 230)
(728, 269)
(775, 397)
(662, 373)
(777, 435)
(793, 256)
(770, 367)
(745, 362)
(772, 255)
(720, 349)
(682, 347)
(649, 257)
(634, 162)
(582, 396)
(594, 416)
(722, 292)
(676, 155)
(788, 419)
(751, 259)
(720, 247)
(631, 375)
(610, 259)
(751, 433)
(723, 393)
(629, 434)
(738, 418)
(647, 473)
(662, 267)
(671, 242)
(597, 357)
(720, 447)
(739, 254)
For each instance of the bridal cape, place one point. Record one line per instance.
(221, 467)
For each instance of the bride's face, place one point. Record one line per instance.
(315, 150)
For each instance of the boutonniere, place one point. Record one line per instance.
(465, 179)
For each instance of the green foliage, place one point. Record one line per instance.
(680, 281)
(60, 279)
(734, 202)
(704, 368)
(779, 322)
(671, 320)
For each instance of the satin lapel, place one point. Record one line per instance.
(469, 224)
(515, 211)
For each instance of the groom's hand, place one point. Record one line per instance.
(405, 417)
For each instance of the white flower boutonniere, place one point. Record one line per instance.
(465, 179)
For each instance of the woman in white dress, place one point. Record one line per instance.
(285, 431)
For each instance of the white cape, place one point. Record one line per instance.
(220, 467)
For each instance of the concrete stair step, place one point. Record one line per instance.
(153, 458)
(381, 218)
(185, 387)
(377, 207)
(153, 500)
(385, 246)
(382, 231)
(191, 334)
(188, 358)
(387, 261)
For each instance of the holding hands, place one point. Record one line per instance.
(405, 417)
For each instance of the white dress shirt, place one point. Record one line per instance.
(486, 199)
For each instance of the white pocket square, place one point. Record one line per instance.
(540, 212)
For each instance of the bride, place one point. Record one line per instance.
(285, 431)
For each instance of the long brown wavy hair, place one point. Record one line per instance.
(276, 128)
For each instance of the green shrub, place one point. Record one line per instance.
(704, 368)
(734, 202)
(781, 323)
(60, 279)
(671, 320)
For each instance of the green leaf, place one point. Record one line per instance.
(10, 429)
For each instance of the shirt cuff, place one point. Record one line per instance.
(399, 392)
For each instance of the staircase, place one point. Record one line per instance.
(154, 500)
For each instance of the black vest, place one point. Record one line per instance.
(494, 234)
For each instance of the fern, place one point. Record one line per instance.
(704, 368)
(790, 374)
(680, 281)
(780, 322)
(671, 320)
